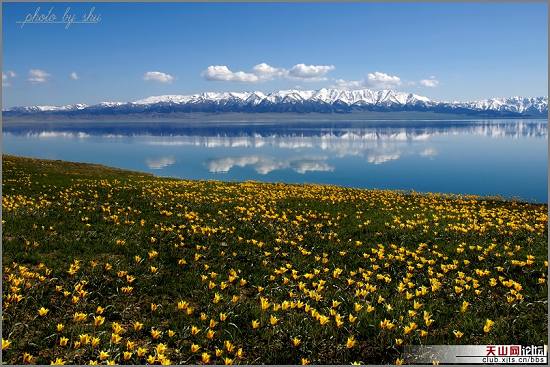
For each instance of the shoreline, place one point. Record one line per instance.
(449, 195)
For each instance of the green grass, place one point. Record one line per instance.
(57, 212)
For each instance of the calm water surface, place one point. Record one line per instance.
(486, 157)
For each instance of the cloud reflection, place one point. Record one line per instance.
(383, 158)
(428, 152)
(160, 163)
(264, 165)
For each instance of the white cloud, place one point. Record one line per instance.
(6, 77)
(379, 80)
(159, 163)
(432, 82)
(376, 80)
(73, 75)
(382, 80)
(38, 76)
(310, 72)
(158, 76)
(222, 73)
(349, 84)
(267, 72)
(263, 71)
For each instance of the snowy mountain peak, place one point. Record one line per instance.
(325, 100)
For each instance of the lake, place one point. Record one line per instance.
(487, 157)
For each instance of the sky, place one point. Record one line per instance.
(125, 52)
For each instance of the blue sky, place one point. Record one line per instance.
(443, 51)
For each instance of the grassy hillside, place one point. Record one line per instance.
(109, 266)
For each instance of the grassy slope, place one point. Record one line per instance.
(285, 241)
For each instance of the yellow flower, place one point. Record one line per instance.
(138, 326)
(195, 348)
(127, 355)
(63, 341)
(488, 325)
(99, 310)
(228, 361)
(223, 316)
(398, 341)
(103, 355)
(464, 306)
(338, 320)
(304, 361)
(458, 334)
(210, 334)
(155, 334)
(95, 342)
(84, 339)
(43, 311)
(160, 348)
(213, 323)
(205, 357)
(141, 351)
(255, 324)
(154, 307)
(273, 320)
(351, 342)
(5, 344)
(399, 361)
(229, 346)
(151, 359)
(117, 328)
(386, 324)
(79, 316)
(296, 342)
(27, 358)
(115, 338)
(58, 362)
(219, 352)
(182, 305)
(171, 333)
(194, 330)
(264, 303)
(323, 320)
(99, 320)
(60, 327)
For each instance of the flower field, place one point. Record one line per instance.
(103, 266)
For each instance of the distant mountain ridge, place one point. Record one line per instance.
(325, 100)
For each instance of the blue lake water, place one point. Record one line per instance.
(486, 157)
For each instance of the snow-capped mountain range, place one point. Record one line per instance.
(302, 101)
